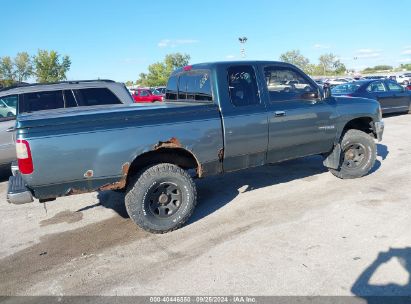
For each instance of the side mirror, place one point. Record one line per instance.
(309, 95)
(327, 91)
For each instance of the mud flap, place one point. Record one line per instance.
(332, 160)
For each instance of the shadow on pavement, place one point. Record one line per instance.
(5, 173)
(382, 151)
(216, 191)
(385, 293)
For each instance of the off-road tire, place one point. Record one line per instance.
(354, 138)
(140, 191)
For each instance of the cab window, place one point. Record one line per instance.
(242, 85)
(190, 86)
(284, 83)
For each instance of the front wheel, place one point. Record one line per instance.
(358, 154)
(161, 199)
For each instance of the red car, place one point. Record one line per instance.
(409, 87)
(145, 95)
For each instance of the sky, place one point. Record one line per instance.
(119, 39)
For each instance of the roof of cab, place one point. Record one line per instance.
(210, 65)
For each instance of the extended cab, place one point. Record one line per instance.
(218, 117)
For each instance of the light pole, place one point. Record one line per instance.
(242, 40)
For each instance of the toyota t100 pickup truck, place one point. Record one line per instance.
(218, 117)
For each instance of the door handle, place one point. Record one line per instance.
(11, 129)
(279, 113)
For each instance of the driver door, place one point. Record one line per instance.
(300, 122)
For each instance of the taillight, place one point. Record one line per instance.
(24, 159)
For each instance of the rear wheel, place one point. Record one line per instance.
(161, 199)
(358, 154)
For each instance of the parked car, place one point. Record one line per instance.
(336, 81)
(375, 77)
(7, 107)
(225, 118)
(42, 97)
(161, 90)
(145, 95)
(392, 97)
(404, 79)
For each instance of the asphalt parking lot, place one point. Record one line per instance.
(287, 229)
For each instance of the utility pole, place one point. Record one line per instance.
(242, 40)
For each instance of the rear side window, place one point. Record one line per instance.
(95, 97)
(395, 87)
(190, 86)
(242, 86)
(38, 101)
(69, 98)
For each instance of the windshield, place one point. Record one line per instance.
(346, 88)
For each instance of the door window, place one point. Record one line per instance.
(242, 86)
(395, 87)
(284, 83)
(144, 93)
(8, 105)
(376, 86)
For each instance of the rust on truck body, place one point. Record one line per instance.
(121, 183)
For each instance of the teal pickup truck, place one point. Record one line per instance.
(217, 117)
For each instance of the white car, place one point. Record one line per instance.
(337, 81)
(404, 79)
(6, 110)
(287, 86)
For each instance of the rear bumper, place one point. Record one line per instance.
(379, 129)
(17, 192)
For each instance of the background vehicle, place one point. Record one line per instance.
(207, 126)
(404, 79)
(7, 107)
(161, 90)
(42, 97)
(336, 81)
(392, 97)
(145, 95)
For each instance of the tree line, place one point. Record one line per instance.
(45, 66)
(159, 72)
(328, 64)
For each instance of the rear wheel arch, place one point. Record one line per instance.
(177, 156)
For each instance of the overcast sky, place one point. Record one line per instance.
(119, 39)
